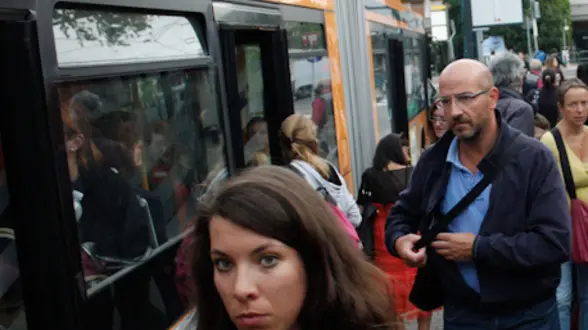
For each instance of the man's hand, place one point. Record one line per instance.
(405, 249)
(455, 247)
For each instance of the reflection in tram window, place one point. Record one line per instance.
(253, 124)
(92, 37)
(384, 109)
(140, 151)
(415, 89)
(311, 82)
(12, 314)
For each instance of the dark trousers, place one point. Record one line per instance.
(542, 316)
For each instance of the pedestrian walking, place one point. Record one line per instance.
(493, 215)
(508, 71)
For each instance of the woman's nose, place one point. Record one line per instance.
(245, 288)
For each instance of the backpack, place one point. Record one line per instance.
(534, 99)
(343, 220)
(531, 82)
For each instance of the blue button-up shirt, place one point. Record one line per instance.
(461, 181)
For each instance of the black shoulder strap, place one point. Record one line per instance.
(446, 219)
(565, 163)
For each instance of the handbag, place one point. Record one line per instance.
(365, 231)
(579, 209)
(427, 292)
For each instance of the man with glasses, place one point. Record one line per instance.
(508, 71)
(496, 265)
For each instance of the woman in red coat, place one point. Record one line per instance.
(380, 186)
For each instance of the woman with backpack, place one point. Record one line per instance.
(298, 138)
(381, 185)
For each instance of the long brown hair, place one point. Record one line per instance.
(89, 154)
(345, 291)
(298, 137)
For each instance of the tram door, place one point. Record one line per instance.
(396, 84)
(36, 274)
(256, 79)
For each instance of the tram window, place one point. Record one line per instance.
(381, 83)
(415, 89)
(92, 37)
(311, 82)
(141, 152)
(12, 314)
(251, 91)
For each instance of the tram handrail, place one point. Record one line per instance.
(119, 274)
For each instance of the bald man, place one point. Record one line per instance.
(496, 263)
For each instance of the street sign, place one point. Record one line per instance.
(496, 12)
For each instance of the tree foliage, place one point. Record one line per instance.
(109, 27)
(554, 13)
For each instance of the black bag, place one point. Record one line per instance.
(427, 292)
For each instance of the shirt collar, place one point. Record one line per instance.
(453, 154)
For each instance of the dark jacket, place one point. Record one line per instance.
(516, 111)
(524, 237)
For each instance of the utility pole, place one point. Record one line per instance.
(528, 30)
(565, 35)
(466, 19)
(535, 13)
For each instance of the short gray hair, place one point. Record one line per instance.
(535, 65)
(508, 71)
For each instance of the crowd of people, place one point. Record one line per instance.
(487, 226)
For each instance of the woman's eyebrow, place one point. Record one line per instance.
(257, 250)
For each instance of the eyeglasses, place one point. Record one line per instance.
(437, 119)
(462, 100)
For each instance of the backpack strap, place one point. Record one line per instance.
(446, 219)
(565, 163)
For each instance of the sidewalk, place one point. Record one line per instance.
(436, 323)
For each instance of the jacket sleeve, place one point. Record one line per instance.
(546, 240)
(523, 119)
(351, 209)
(405, 215)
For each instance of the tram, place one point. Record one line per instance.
(166, 94)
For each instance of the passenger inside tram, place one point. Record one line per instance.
(115, 226)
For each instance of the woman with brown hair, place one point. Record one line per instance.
(269, 254)
(298, 137)
(552, 63)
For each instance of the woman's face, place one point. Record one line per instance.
(261, 281)
(575, 108)
(439, 123)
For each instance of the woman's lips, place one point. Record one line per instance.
(252, 319)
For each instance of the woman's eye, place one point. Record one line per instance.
(222, 265)
(268, 261)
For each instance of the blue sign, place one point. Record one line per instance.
(314, 59)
